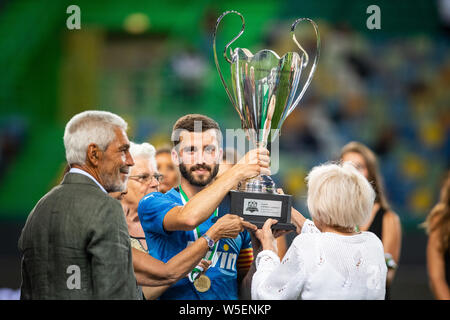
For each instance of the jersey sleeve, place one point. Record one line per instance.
(152, 209)
(247, 240)
(245, 258)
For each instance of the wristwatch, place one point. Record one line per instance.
(209, 241)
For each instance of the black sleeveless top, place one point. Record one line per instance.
(377, 228)
(377, 223)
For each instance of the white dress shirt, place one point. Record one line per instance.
(76, 170)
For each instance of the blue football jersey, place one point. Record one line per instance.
(164, 245)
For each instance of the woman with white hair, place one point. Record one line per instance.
(329, 259)
(143, 180)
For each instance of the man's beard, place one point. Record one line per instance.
(113, 182)
(187, 174)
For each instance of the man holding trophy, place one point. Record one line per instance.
(266, 89)
(173, 220)
(331, 258)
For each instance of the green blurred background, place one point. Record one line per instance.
(152, 61)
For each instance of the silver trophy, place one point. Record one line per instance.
(265, 89)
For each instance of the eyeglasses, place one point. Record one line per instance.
(146, 178)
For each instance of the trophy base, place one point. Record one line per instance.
(256, 207)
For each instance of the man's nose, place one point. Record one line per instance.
(199, 158)
(154, 183)
(129, 161)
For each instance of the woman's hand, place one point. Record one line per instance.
(266, 237)
(258, 235)
(205, 264)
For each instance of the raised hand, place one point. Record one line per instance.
(266, 237)
(255, 162)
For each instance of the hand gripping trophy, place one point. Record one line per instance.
(265, 89)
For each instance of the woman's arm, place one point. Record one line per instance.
(392, 240)
(277, 281)
(152, 293)
(296, 217)
(274, 280)
(436, 266)
(247, 277)
(153, 272)
(281, 246)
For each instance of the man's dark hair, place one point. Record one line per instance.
(192, 122)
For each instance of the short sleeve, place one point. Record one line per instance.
(246, 240)
(245, 258)
(152, 209)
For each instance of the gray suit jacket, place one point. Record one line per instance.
(75, 245)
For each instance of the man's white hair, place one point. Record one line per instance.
(339, 195)
(143, 150)
(90, 127)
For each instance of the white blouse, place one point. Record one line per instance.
(323, 266)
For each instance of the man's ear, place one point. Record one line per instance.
(93, 155)
(175, 157)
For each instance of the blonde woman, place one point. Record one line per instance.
(329, 259)
(384, 222)
(438, 248)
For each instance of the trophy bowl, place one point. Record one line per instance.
(265, 89)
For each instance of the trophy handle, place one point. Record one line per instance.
(305, 63)
(230, 96)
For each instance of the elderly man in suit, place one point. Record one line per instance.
(75, 242)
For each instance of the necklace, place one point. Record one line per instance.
(201, 282)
